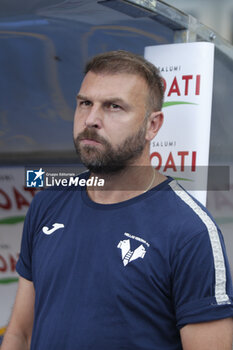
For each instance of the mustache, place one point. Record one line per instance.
(91, 134)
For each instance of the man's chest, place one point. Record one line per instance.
(119, 254)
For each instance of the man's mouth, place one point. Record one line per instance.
(86, 141)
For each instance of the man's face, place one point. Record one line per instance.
(110, 124)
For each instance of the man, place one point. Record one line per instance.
(137, 265)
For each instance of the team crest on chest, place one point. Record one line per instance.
(127, 253)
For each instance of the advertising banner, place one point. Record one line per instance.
(181, 148)
(15, 199)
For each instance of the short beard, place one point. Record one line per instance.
(110, 160)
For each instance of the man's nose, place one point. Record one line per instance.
(94, 117)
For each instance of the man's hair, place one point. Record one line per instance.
(115, 62)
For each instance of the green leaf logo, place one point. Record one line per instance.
(174, 103)
(12, 220)
(8, 280)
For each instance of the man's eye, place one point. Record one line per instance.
(114, 106)
(84, 103)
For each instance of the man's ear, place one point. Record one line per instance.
(154, 123)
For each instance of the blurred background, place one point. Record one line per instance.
(215, 14)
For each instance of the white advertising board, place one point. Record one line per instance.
(181, 148)
(14, 202)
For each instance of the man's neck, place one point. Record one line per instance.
(125, 184)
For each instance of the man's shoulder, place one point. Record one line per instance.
(178, 213)
(186, 204)
(190, 217)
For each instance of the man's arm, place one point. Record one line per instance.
(19, 330)
(214, 335)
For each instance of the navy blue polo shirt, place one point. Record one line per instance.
(124, 276)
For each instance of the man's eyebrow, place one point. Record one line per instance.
(110, 99)
(115, 100)
(82, 97)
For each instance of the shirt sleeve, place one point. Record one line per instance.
(23, 266)
(202, 285)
